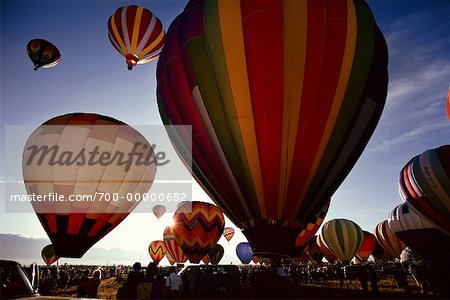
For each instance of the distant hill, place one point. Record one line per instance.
(26, 250)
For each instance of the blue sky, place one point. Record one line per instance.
(92, 77)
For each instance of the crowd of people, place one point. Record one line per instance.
(279, 278)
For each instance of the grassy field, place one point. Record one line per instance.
(319, 290)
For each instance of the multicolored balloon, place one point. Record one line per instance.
(157, 251)
(424, 184)
(215, 254)
(282, 101)
(136, 33)
(205, 259)
(74, 227)
(244, 252)
(343, 237)
(48, 255)
(159, 210)
(197, 228)
(172, 246)
(388, 240)
(228, 233)
(420, 234)
(367, 246)
(43, 54)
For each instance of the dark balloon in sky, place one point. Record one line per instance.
(43, 54)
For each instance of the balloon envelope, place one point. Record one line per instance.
(197, 228)
(48, 255)
(282, 101)
(343, 237)
(159, 210)
(43, 54)
(244, 252)
(424, 183)
(75, 226)
(388, 240)
(420, 234)
(367, 246)
(172, 246)
(215, 254)
(329, 256)
(157, 251)
(136, 33)
(228, 233)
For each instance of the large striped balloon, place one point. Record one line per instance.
(425, 184)
(197, 228)
(367, 246)
(388, 240)
(282, 97)
(173, 247)
(157, 251)
(136, 33)
(43, 54)
(244, 252)
(74, 227)
(421, 235)
(343, 237)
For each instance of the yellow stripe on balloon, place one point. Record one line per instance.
(137, 23)
(295, 25)
(117, 36)
(151, 47)
(243, 127)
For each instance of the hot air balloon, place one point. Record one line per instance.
(388, 240)
(136, 33)
(425, 184)
(73, 141)
(311, 228)
(313, 250)
(343, 237)
(48, 255)
(379, 253)
(159, 210)
(244, 252)
(157, 251)
(205, 259)
(228, 233)
(255, 259)
(367, 246)
(421, 235)
(173, 248)
(197, 228)
(43, 54)
(329, 256)
(170, 258)
(282, 98)
(447, 103)
(215, 254)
